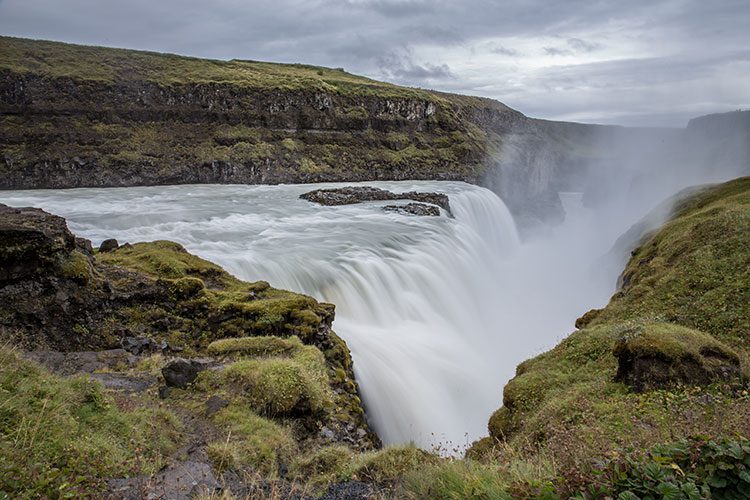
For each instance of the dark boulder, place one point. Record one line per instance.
(214, 404)
(661, 355)
(32, 242)
(421, 209)
(109, 245)
(350, 195)
(181, 372)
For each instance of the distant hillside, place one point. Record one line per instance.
(78, 116)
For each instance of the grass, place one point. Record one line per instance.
(685, 302)
(64, 436)
(251, 442)
(107, 65)
(292, 381)
(386, 465)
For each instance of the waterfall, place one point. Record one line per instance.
(415, 296)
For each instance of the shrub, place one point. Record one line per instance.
(692, 468)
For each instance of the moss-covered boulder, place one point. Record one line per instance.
(31, 242)
(661, 355)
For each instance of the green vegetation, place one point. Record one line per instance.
(53, 59)
(64, 436)
(663, 362)
(323, 466)
(692, 469)
(259, 122)
(252, 441)
(278, 386)
(255, 346)
(696, 269)
(387, 464)
(204, 287)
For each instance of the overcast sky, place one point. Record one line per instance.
(628, 62)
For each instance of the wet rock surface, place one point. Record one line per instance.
(420, 209)
(181, 372)
(358, 194)
(109, 245)
(32, 242)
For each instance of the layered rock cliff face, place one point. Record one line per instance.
(75, 116)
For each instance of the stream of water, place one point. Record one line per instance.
(437, 311)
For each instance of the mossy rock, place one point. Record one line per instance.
(255, 346)
(388, 464)
(277, 386)
(661, 355)
(77, 267)
(252, 442)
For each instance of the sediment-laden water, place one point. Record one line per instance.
(436, 310)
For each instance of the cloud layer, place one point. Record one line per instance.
(632, 63)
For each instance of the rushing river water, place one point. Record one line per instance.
(437, 311)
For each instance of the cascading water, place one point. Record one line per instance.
(436, 310)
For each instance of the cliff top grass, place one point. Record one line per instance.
(695, 270)
(682, 313)
(110, 65)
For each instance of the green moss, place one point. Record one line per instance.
(209, 291)
(280, 386)
(251, 441)
(167, 260)
(694, 271)
(255, 346)
(388, 464)
(674, 343)
(323, 466)
(186, 288)
(65, 436)
(77, 267)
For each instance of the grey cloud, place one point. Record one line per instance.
(404, 69)
(557, 51)
(505, 51)
(573, 46)
(579, 45)
(691, 43)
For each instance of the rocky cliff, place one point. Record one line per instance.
(666, 360)
(75, 116)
